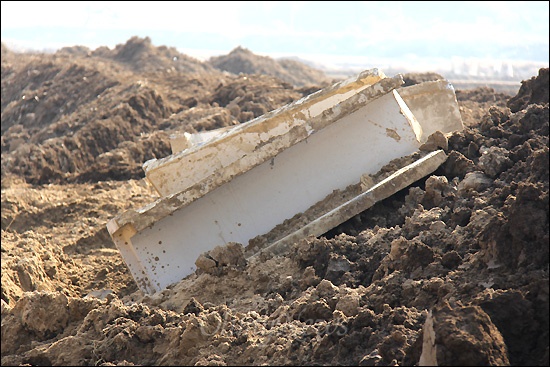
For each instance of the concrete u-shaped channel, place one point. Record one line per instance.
(244, 184)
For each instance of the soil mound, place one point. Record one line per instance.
(241, 60)
(87, 117)
(534, 90)
(140, 55)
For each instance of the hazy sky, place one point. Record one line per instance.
(517, 30)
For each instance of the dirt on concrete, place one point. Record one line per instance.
(452, 270)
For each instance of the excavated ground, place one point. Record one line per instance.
(458, 260)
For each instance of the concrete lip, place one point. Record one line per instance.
(245, 184)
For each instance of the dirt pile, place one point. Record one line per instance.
(532, 91)
(452, 269)
(241, 60)
(140, 55)
(78, 116)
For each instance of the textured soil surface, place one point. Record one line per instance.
(451, 270)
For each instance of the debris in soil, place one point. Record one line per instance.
(458, 260)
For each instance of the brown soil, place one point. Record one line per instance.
(242, 60)
(459, 259)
